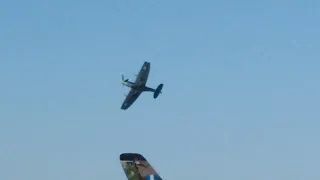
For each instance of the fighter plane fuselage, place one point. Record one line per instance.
(137, 87)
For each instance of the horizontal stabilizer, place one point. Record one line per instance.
(158, 91)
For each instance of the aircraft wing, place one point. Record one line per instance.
(143, 74)
(136, 167)
(130, 99)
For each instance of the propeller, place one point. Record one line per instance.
(124, 80)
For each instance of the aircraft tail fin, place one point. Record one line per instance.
(136, 167)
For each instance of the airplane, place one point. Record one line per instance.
(136, 167)
(139, 86)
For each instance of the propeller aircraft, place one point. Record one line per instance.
(139, 86)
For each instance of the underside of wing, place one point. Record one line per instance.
(136, 167)
(130, 99)
(143, 74)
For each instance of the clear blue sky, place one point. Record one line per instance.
(240, 98)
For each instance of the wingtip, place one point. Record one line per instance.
(123, 108)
